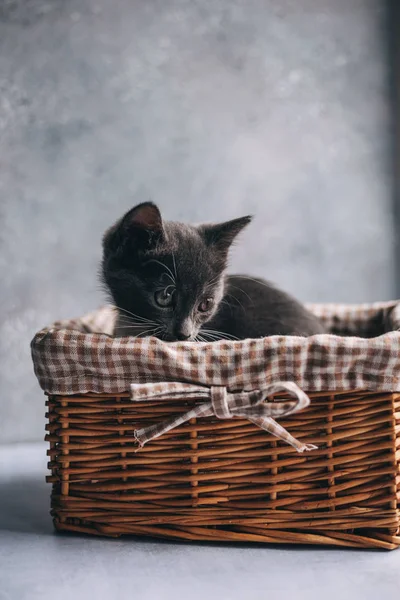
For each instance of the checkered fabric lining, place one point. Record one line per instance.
(80, 356)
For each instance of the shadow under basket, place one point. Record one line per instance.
(225, 479)
(228, 480)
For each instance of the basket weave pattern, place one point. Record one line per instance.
(228, 480)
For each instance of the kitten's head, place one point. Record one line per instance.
(166, 276)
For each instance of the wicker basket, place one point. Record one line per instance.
(227, 480)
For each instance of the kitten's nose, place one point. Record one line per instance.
(181, 335)
(183, 330)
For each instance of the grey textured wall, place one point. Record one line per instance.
(212, 108)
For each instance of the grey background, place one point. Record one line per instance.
(213, 109)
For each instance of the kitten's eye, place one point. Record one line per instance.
(165, 297)
(205, 305)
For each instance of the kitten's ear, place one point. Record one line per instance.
(141, 228)
(145, 217)
(222, 235)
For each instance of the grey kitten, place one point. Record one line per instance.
(168, 279)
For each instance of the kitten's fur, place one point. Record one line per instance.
(147, 261)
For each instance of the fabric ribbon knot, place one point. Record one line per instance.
(220, 401)
(254, 405)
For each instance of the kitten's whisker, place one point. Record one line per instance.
(140, 326)
(223, 301)
(206, 332)
(137, 317)
(220, 333)
(151, 333)
(238, 301)
(127, 311)
(173, 258)
(124, 323)
(217, 332)
(211, 336)
(171, 278)
(240, 290)
(136, 334)
(200, 338)
(256, 281)
(170, 273)
(128, 321)
(214, 279)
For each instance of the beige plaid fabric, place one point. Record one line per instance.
(235, 379)
(79, 356)
(253, 406)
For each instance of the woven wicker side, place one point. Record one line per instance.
(228, 480)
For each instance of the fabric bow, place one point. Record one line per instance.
(254, 405)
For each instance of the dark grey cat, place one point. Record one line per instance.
(168, 280)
